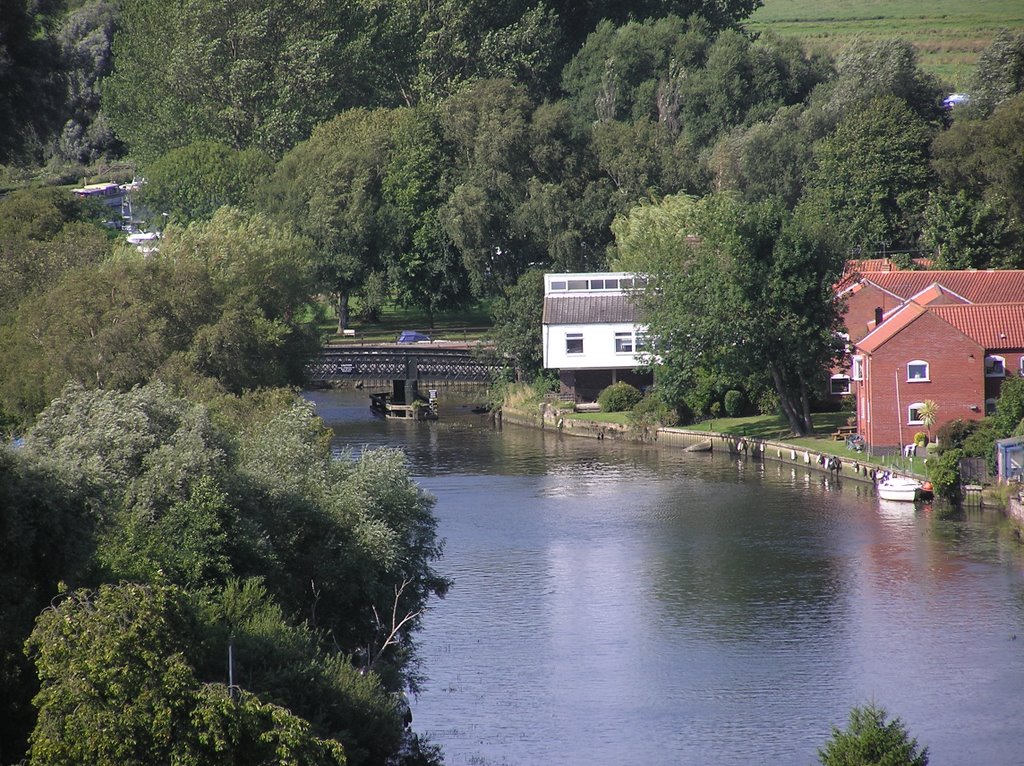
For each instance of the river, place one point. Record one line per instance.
(624, 604)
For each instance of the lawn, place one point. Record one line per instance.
(949, 34)
(464, 325)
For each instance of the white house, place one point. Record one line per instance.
(590, 331)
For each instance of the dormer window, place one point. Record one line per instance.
(917, 371)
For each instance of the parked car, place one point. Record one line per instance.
(412, 336)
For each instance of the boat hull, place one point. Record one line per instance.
(900, 490)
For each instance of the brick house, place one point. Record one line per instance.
(933, 348)
(591, 334)
(874, 290)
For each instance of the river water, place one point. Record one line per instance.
(621, 604)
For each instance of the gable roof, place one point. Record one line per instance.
(880, 335)
(936, 294)
(588, 309)
(989, 286)
(993, 326)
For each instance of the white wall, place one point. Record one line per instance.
(598, 348)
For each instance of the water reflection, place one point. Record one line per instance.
(621, 604)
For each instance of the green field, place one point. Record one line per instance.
(948, 33)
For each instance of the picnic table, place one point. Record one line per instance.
(842, 432)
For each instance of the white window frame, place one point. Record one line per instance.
(624, 342)
(857, 367)
(914, 409)
(927, 371)
(832, 385)
(990, 363)
(570, 337)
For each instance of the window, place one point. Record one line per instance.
(574, 343)
(597, 284)
(917, 371)
(857, 367)
(995, 367)
(839, 385)
(623, 343)
(641, 341)
(990, 407)
(914, 414)
(611, 284)
(559, 285)
(579, 284)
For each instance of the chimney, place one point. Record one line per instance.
(878, 315)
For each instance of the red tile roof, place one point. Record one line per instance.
(990, 286)
(935, 293)
(995, 326)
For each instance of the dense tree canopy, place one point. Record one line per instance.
(233, 522)
(736, 288)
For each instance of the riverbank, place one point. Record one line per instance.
(545, 416)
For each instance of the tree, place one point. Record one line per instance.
(193, 181)
(983, 158)
(868, 70)
(998, 75)
(117, 688)
(870, 740)
(517, 324)
(964, 233)
(423, 265)
(243, 73)
(871, 174)
(85, 37)
(736, 289)
(928, 413)
(330, 186)
(29, 77)
(43, 234)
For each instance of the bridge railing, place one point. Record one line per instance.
(426, 363)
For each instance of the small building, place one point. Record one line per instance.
(591, 332)
(953, 354)
(1010, 460)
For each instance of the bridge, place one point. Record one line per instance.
(428, 363)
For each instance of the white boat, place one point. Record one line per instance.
(899, 488)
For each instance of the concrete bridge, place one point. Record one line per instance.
(427, 363)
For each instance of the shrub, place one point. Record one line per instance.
(944, 473)
(953, 434)
(734, 403)
(920, 438)
(619, 397)
(652, 411)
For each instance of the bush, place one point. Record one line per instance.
(871, 741)
(619, 397)
(652, 411)
(920, 438)
(735, 403)
(953, 434)
(944, 473)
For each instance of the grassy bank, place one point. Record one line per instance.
(464, 325)
(949, 34)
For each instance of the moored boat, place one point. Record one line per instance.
(898, 488)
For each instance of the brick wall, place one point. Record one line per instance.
(860, 309)
(956, 382)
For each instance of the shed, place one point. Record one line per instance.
(1010, 459)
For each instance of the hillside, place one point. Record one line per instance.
(949, 33)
